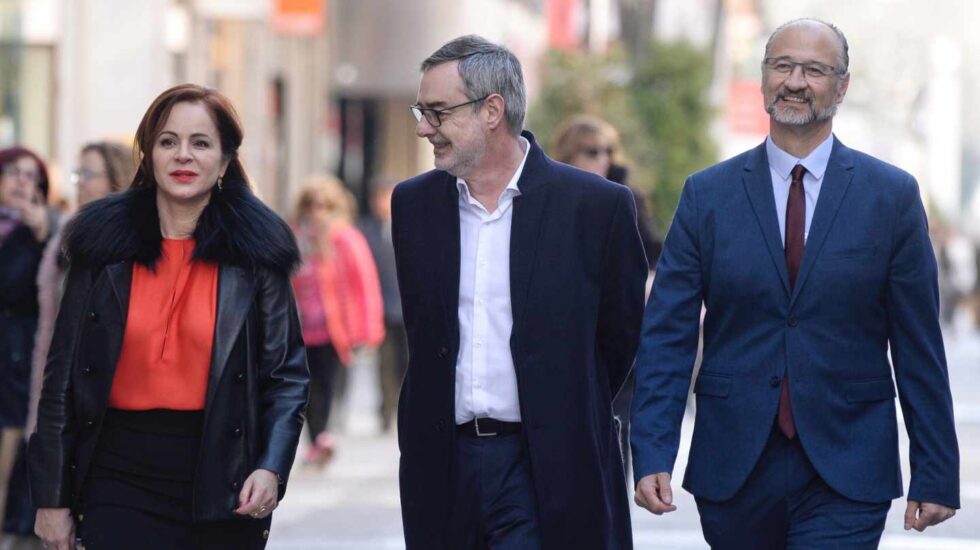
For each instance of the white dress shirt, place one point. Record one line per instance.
(781, 165)
(486, 383)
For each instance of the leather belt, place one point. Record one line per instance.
(488, 427)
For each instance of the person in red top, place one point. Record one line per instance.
(338, 294)
(175, 385)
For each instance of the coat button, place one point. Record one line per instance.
(237, 432)
(240, 377)
(443, 352)
(792, 322)
(265, 534)
(93, 316)
(87, 371)
(235, 485)
(89, 423)
(441, 426)
(774, 382)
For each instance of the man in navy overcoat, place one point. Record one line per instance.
(812, 261)
(522, 291)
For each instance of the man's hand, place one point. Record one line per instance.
(55, 528)
(653, 493)
(919, 515)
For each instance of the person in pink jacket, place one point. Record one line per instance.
(338, 295)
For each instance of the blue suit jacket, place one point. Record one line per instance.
(577, 272)
(867, 283)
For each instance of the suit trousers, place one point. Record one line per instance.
(495, 506)
(784, 504)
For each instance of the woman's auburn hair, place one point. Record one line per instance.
(223, 113)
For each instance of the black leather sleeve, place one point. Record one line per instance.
(283, 375)
(52, 444)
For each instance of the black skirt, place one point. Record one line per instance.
(139, 489)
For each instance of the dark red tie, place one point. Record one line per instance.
(795, 227)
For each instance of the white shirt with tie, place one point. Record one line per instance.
(781, 164)
(486, 383)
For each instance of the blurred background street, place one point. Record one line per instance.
(353, 503)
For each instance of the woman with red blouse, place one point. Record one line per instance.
(175, 385)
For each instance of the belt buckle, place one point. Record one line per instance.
(476, 423)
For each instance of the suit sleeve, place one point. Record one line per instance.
(621, 302)
(52, 445)
(919, 358)
(669, 343)
(284, 378)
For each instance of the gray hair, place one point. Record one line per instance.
(843, 59)
(486, 68)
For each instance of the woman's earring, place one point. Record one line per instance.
(219, 183)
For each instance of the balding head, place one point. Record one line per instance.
(819, 26)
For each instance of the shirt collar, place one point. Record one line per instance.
(511, 189)
(815, 163)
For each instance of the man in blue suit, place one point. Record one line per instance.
(811, 260)
(522, 293)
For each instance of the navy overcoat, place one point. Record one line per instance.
(577, 278)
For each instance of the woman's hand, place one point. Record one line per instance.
(35, 216)
(260, 494)
(55, 528)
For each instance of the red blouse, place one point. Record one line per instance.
(166, 351)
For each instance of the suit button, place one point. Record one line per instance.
(235, 485)
(265, 534)
(237, 432)
(792, 322)
(774, 382)
(89, 423)
(443, 352)
(240, 377)
(87, 371)
(93, 316)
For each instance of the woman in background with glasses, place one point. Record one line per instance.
(24, 228)
(104, 167)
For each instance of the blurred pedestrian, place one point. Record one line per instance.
(590, 143)
(393, 356)
(24, 229)
(104, 167)
(174, 390)
(338, 294)
(522, 288)
(813, 262)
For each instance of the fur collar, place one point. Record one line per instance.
(235, 228)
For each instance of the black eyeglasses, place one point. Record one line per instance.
(594, 152)
(434, 116)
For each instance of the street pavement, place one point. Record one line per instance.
(353, 502)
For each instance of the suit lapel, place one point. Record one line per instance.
(836, 181)
(236, 288)
(525, 231)
(758, 186)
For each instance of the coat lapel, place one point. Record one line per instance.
(446, 219)
(121, 279)
(236, 288)
(528, 217)
(836, 181)
(758, 186)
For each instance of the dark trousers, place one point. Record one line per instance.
(494, 507)
(392, 363)
(122, 528)
(323, 363)
(785, 504)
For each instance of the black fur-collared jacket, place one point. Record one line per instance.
(258, 381)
